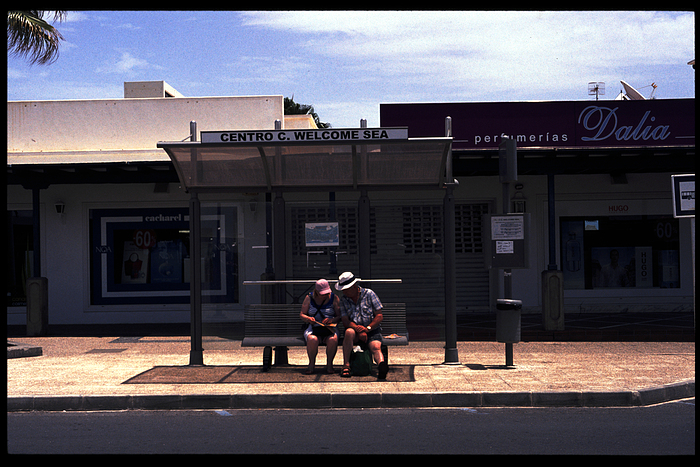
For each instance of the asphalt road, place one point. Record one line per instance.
(664, 429)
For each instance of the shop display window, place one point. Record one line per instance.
(20, 256)
(142, 255)
(620, 252)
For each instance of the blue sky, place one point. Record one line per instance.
(346, 63)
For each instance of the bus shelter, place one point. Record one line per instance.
(324, 160)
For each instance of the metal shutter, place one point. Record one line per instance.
(407, 243)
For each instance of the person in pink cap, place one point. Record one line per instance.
(321, 311)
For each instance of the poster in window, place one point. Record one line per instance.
(613, 267)
(670, 269)
(135, 264)
(166, 262)
(573, 253)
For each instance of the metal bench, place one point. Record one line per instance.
(278, 326)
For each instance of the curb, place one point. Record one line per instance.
(18, 350)
(644, 397)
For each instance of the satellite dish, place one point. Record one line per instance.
(595, 89)
(632, 93)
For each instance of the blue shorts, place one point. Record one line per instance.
(374, 335)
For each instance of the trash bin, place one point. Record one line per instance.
(508, 320)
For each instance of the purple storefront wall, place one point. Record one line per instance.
(566, 124)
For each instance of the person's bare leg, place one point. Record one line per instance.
(376, 348)
(382, 366)
(311, 351)
(348, 342)
(331, 350)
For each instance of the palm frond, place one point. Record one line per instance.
(30, 36)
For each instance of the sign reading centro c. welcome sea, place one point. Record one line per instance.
(613, 123)
(325, 135)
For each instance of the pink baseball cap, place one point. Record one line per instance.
(322, 287)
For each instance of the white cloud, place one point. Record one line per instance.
(489, 49)
(418, 56)
(76, 16)
(127, 26)
(126, 64)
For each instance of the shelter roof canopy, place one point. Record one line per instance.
(310, 166)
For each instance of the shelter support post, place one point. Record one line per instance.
(364, 231)
(268, 292)
(363, 209)
(332, 254)
(279, 245)
(451, 353)
(507, 273)
(196, 354)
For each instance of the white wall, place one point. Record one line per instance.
(35, 127)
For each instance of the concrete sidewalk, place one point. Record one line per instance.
(90, 373)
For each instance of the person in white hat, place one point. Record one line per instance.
(361, 312)
(321, 311)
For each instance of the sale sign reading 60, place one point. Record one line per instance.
(145, 238)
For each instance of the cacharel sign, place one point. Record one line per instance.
(568, 124)
(325, 135)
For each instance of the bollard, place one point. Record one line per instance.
(37, 306)
(553, 300)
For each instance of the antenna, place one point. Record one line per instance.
(596, 88)
(653, 85)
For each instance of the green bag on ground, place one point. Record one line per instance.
(360, 362)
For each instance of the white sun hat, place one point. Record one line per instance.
(346, 280)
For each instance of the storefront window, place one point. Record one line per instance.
(20, 256)
(142, 255)
(620, 252)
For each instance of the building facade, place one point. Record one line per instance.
(94, 206)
